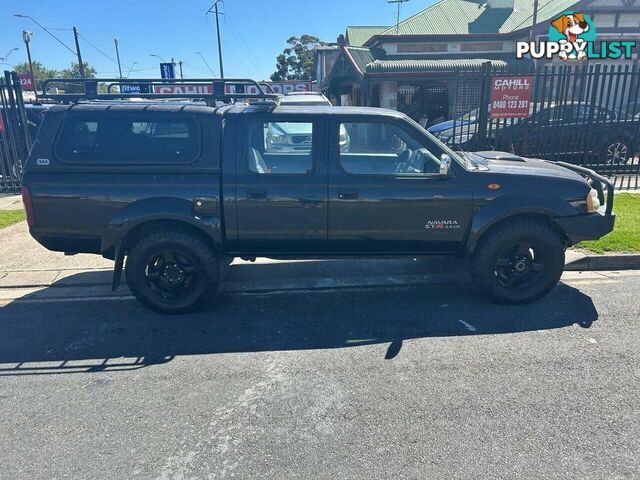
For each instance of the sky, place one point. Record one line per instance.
(253, 32)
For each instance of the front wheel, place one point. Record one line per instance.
(519, 261)
(172, 271)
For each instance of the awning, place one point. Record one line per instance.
(425, 66)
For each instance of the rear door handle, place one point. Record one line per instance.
(257, 194)
(348, 195)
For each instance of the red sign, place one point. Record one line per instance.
(511, 97)
(204, 89)
(26, 80)
(178, 89)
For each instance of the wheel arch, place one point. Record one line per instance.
(145, 216)
(499, 211)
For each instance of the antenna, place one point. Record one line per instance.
(399, 2)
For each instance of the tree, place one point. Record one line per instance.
(296, 62)
(40, 72)
(74, 72)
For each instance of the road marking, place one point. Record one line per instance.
(470, 327)
(592, 340)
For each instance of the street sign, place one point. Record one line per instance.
(167, 70)
(27, 83)
(511, 97)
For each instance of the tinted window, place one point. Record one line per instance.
(280, 148)
(384, 149)
(129, 140)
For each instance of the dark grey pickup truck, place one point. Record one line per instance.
(178, 188)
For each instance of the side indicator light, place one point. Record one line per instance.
(493, 186)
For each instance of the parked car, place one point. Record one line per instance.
(178, 205)
(305, 99)
(559, 132)
(297, 137)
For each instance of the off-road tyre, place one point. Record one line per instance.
(158, 261)
(519, 261)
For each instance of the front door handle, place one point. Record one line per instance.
(348, 195)
(257, 194)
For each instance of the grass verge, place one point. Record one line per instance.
(625, 238)
(9, 217)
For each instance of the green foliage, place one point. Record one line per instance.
(626, 235)
(296, 62)
(9, 217)
(40, 72)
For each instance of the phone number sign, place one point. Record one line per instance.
(511, 97)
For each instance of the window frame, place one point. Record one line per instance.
(131, 117)
(400, 124)
(315, 129)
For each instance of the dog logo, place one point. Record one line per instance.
(572, 26)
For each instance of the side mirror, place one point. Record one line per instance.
(445, 164)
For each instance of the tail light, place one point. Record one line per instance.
(28, 207)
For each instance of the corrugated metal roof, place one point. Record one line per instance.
(361, 56)
(450, 17)
(415, 66)
(358, 35)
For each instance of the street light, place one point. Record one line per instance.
(158, 56)
(26, 37)
(8, 53)
(131, 69)
(206, 63)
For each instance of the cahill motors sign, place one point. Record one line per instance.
(511, 97)
(572, 37)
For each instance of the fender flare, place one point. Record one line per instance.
(513, 205)
(162, 208)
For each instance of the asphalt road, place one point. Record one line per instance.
(386, 381)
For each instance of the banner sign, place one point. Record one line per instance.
(167, 70)
(278, 87)
(511, 97)
(27, 83)
(134, 88)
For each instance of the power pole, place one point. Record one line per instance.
(535, 19)
(399, 3)
(80, 64)
(115, 41)
(26, 36)
(217, 13)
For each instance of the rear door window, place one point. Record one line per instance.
(129, 140)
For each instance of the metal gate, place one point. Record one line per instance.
(587, 115)
(15, 137)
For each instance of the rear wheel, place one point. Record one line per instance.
(519, 261)
(617, 152)
(172, 271)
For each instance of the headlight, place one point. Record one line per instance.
(593, 201)
(278, 139)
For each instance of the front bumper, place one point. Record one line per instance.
(592, 226)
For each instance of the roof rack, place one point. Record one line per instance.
(210, 90)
